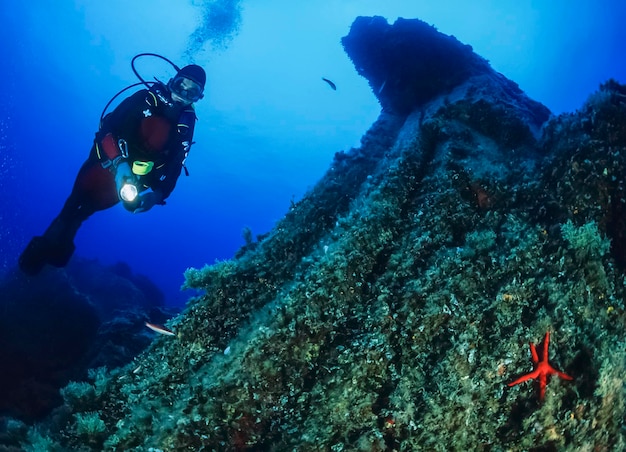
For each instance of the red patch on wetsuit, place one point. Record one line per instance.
(96, 186)
(155, 133)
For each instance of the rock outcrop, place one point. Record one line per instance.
(391, 306)
(411, 66)
(53, 329)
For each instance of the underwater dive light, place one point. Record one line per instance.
(128, 192)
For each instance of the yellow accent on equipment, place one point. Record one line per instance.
(142, 168)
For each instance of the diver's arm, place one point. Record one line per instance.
(166, 186)
(125, 118)
(184, 140)
(119, 127)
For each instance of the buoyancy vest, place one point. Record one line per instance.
(155, 132)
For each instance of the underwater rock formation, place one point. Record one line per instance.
(391, 306)
(69, 321)
(410, 64)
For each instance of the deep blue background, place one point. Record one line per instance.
(268, 126)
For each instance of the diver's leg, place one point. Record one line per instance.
(59, 236)
(94, 189)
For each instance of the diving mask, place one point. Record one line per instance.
(185, 90)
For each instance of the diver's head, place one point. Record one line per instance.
(187, 86)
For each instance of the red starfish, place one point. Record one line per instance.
(542, 368)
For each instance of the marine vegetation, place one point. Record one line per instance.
(392, 306)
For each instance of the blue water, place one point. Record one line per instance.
(268, 126)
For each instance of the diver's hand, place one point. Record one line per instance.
(124, 175)
(147, 200)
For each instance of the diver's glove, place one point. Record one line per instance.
(147, 200)
(125, 182)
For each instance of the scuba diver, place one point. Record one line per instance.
(136, 158)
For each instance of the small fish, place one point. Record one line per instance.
(380, 90)
(331, 84)
(160, 329)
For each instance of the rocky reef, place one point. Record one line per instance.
(57, 326)
(392, 305)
